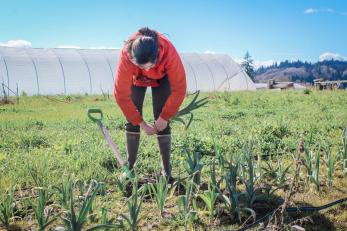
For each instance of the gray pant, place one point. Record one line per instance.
(159, 96)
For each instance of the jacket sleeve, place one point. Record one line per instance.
(122, 91)
(178, 85)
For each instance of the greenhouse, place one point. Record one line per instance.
(37, 71)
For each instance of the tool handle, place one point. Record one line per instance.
(95, 114)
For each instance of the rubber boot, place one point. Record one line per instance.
(164, 142)
(132, 144)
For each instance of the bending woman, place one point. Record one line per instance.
(148, 59)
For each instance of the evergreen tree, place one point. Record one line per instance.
(247, 66)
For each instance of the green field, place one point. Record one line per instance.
(252, 137)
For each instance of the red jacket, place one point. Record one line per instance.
(168, 63)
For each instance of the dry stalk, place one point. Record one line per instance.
(280, 214)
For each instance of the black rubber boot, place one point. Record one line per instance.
(164, 142)
(132, 143)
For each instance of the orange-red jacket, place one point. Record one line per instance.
(168, 63)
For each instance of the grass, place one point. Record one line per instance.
(42, 140)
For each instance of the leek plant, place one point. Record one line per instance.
(134, 205)
(281, 172)
(103, 218)
(231, 200)
(259, 168)
(270, 170)
(251, 189)
(193, 166)
(123, 186)
(331, 167)
(233, 204)
(7, 205)
(209, 197)
(84, 189)
(160, 189)
(231, 177)
(193, 105)
(109, 225)
(75, 220)
(308, 163)
(277, 173)
(63, 192)
(213, 174)
(43, 213)
(219, 156)
(316, 178)
(189, 214)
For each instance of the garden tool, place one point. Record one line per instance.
(96, 116)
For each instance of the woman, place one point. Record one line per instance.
(148, 59)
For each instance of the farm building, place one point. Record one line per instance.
(51, 71)
(320, 84)
(274, 85)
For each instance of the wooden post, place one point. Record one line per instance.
(4, 100)
(17, 94)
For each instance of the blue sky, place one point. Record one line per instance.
(270, 30)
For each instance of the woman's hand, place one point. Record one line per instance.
(147, 128)
(160, 124)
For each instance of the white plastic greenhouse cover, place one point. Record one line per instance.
(52, 71)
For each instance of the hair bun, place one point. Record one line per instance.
(145, 31)
(144, 48)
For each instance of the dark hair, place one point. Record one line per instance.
(144, 48)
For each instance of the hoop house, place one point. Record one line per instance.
(78, 71)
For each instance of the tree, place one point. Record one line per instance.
(247, 66)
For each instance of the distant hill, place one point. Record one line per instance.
(299, 71)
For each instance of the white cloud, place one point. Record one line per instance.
(69, 46)
(331, 56)
(78, 47)
(27, 44)
(103, 47)
(323, 10)
(310, 11)
(210, 52)
(16, 43)
(265, 63)
(329, 10)
(258, 63)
